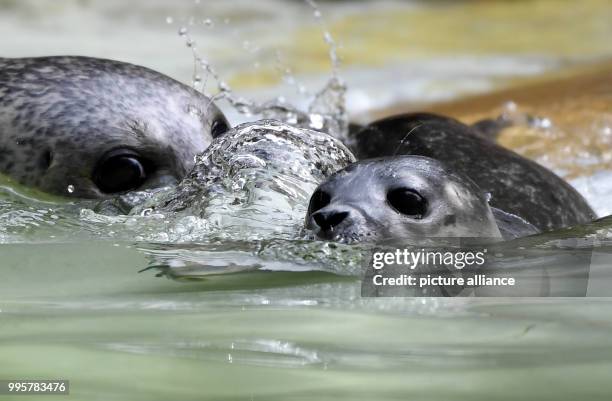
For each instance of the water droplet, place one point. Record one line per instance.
(545, 123)
(328, 38)
(70, 188)
(182, 31)
(224, 87)
(208, 23)
(291, 118)
(510, 106)
(169, 20)
(190, 42)
(316, 121)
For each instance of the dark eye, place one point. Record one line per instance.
(218, 127)
(408, 202)
(119, 171)
(318, 200)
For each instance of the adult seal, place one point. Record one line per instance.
(89, 128)
(406, 197)
(513, 183)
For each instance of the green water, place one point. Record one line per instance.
(92, 318)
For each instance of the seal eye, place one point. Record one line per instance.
(119, 171)
(408, 202)
(218, 127)
(318, 200)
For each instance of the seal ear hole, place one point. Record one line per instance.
(318, 200)
(218, 127)
(121, 170)
(407, 202)
(45, 159)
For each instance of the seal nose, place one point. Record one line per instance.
(329, 219)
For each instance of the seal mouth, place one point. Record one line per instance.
(340, 237)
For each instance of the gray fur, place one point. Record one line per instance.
(516, 185)
(59, 115)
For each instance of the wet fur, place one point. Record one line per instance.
(58, 114)
(517, 185)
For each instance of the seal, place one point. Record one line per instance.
(406, 197)
(90, 128)
(516, 185)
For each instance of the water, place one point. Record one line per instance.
(212, 291)
(120, 334)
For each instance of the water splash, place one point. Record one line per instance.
(253, 182)
(327, 111)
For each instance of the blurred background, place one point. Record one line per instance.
(392, 52)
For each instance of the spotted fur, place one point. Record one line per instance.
(59, 115)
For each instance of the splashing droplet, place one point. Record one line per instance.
(169, 20)
(70, 188)
(182, 31)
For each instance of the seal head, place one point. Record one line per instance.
(90, 128)
(404, 197)
(517, 185)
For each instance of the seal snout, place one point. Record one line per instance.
(337, 222)
(328, 219)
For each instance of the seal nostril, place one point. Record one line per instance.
(329, 220)
(318, 201)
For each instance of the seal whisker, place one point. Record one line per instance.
(403, 140)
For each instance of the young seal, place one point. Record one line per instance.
(515, 184)
(406, 197)
(89, 128)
